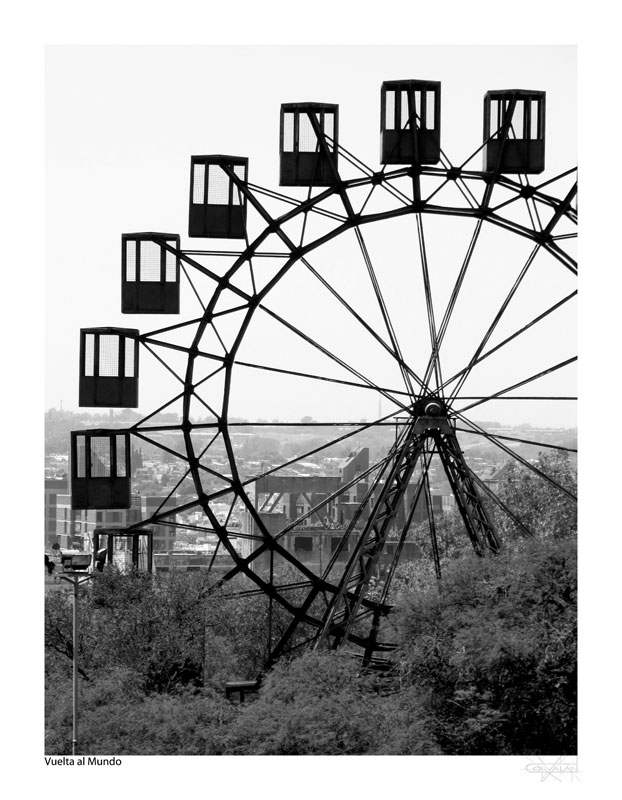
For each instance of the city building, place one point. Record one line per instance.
(312, 513)
(53, 488)
(73, 528)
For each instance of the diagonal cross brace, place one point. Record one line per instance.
(344, 609)
(473, 512)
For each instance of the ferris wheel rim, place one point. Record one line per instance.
(305, 207)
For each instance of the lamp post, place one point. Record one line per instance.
(75, 573)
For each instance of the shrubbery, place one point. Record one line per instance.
(486, 659)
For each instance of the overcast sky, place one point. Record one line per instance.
(121, 125)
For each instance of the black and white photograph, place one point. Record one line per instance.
(309, 346)
(311, 447)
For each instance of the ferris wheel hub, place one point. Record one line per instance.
(433, 409)
(430, 406)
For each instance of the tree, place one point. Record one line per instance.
(486, 664)
(116, 718)
(494, 652)
(320, 703)
(545, 510)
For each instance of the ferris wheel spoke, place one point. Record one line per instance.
(495, 322)
(515, 397)
(368, 328)
(510, 338)
(563, 257)
(524, 382)
(523, 461)
(383, 310)
(501, 504)
(329, 355)
(452, 301)
(434, 363)
(515, 438)
(295, 373)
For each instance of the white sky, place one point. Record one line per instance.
(122, 123)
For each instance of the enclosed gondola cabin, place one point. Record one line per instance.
(150, 273)
(108, 367)
(100, 470)
(136, 543)
(410, 122)
(309, 137)
(514, 131)
(217, 197)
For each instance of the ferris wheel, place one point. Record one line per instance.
(391, 306)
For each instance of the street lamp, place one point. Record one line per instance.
(75, 566)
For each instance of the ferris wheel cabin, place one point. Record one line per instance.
(410, 122)
(100, 470)
(108, 367)
(150, 273)
(217, 198)
(123, 547)
(308, 144)
(514, 131)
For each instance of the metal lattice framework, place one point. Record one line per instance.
(415, 286)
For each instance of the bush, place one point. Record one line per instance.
(495, 652)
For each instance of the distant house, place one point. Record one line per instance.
(498, 477)
(74, 527)
(53, 488)
(311, 513)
